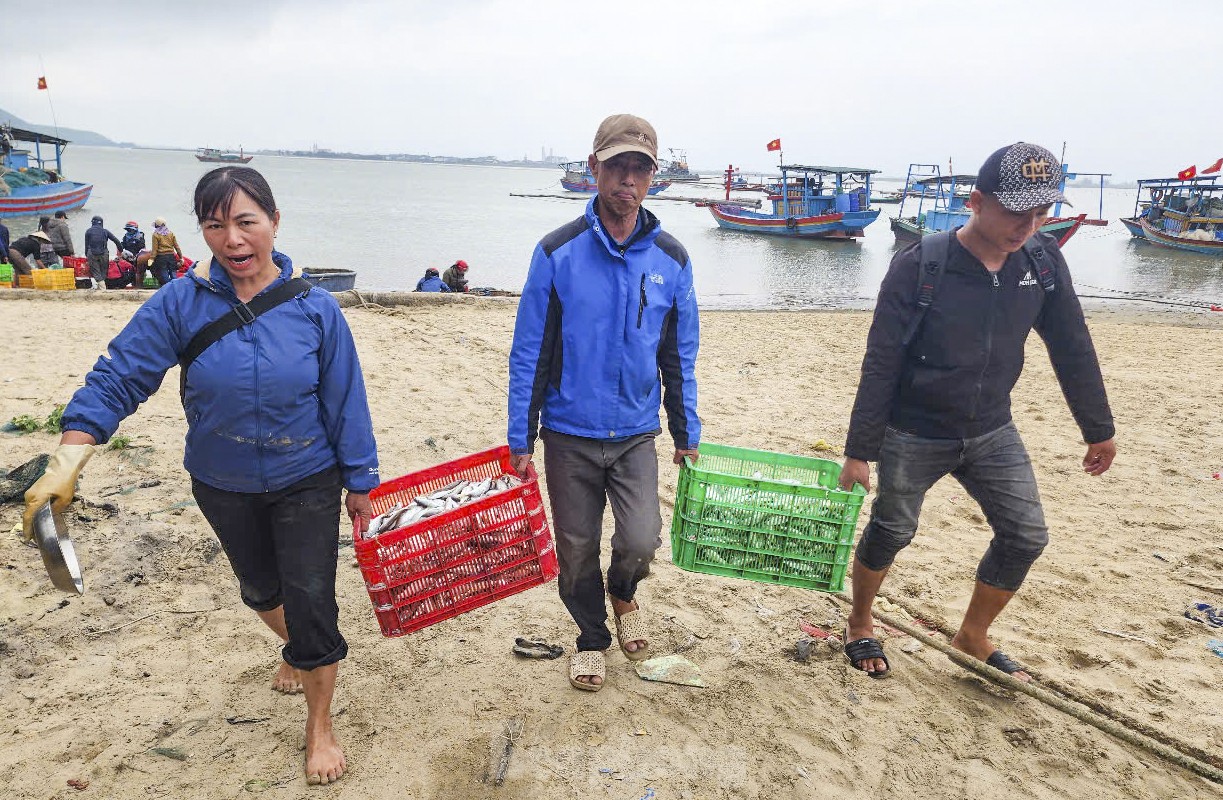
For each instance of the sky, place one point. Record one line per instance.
(872, 83)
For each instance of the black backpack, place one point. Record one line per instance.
(932, 254)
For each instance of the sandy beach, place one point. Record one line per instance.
(155, 683)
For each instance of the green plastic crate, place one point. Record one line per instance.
(149, 282)
(6, 273)
(763, 516)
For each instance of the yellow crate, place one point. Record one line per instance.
(25, 281)
(54, 279)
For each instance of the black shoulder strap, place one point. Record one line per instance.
(1045, 270)
(238, 316)
(932, 253)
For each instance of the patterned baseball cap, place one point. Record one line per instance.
(1022, 176)
(625, 133)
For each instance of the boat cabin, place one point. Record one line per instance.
(805, 191)
(19, 159)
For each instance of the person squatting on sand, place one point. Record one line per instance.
(935, 394)
(277, 425)
(607, 307)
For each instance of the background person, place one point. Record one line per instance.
(61, 237)
(613, 292)
(26, 253)
(431, 282)
(940, 404)
(456, 276)
(277, 426)
(46, 249)
(97, 251)
(167, 255)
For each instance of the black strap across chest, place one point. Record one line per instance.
(934, 251)
(238, 316)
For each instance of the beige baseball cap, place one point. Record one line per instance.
(625, 133)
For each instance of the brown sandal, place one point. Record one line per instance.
(589, 663)
(630, 627)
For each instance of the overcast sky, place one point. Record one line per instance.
(1130, 89)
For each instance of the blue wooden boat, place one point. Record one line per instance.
(942, 205)
(578, 178)
(32, 183)
(808, 202)
(1179, 214)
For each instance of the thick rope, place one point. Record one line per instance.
(1175, 753)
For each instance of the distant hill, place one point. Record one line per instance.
(74, 135)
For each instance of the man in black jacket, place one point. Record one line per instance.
(940, 403)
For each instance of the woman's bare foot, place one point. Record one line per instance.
(287, 681)
(325, 761)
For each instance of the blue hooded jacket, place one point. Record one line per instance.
(598, 325)
(267, 405)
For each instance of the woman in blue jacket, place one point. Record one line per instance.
(277, 424)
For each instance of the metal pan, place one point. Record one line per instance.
(51, 534)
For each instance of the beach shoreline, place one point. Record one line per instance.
(159, 652)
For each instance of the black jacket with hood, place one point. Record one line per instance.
(954, 380)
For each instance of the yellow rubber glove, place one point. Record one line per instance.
(58, 483)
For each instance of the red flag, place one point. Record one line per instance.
(1215, 167)
(774, 145)
(42, 83)
(1188, 172)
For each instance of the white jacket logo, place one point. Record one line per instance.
(656, 278)
(1028, 280)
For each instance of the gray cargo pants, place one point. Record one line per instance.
(582, 475)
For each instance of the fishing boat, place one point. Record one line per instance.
(222, 156)
(578, 178)
(942, 205)
(677, 168)
(1179, 214)
(31, 183)
(808, 202)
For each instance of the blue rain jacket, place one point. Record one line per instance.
(603, 333)
(271, 403)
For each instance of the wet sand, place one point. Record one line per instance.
(160, 653)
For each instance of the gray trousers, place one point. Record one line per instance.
(582, 476)
(996, 472)
(99, 265)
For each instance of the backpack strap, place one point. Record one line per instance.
(239, 315)
(1045, 270)
(932, 253)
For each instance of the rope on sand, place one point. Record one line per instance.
(1175, 751)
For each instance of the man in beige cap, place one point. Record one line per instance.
(606, 330)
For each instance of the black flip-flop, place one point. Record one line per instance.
(1003, 663)
(861, 650)
(537, 648)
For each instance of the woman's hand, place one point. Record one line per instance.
(359, 510)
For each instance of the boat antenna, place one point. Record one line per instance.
(42, 84)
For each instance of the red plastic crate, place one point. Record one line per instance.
(78, 264)
(476, 554)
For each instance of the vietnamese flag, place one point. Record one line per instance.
(774, 145)
(42, 83)
(1215, 167)
(1188, 173)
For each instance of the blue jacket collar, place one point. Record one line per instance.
(645, 235)
(211, 275)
